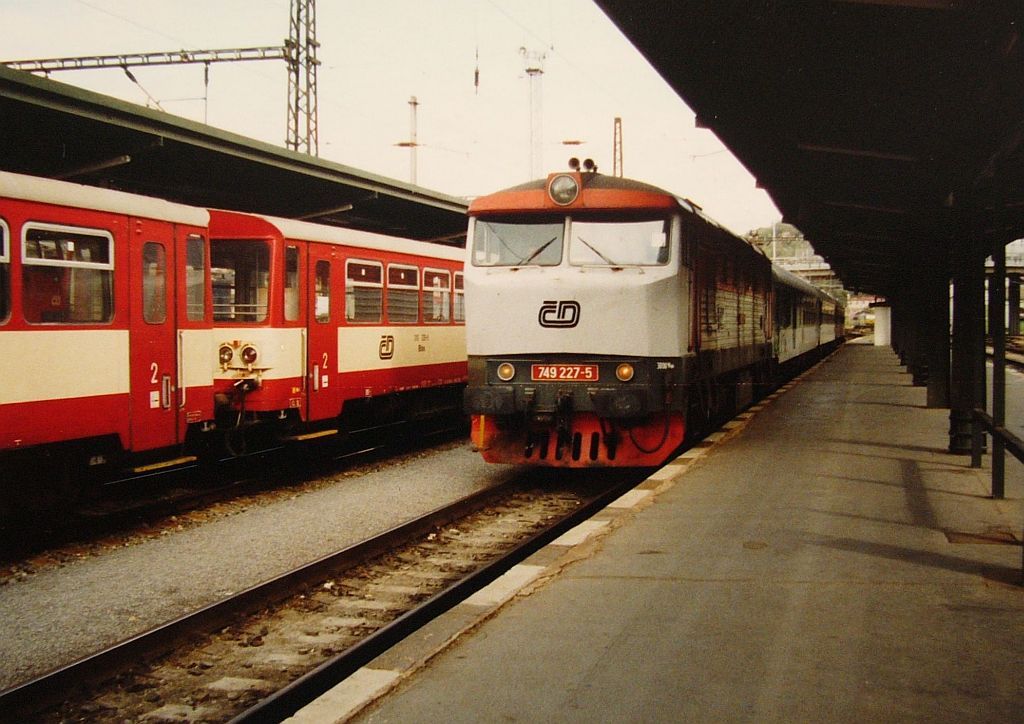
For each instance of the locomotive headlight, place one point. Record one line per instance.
(624, 372)
(506, 371)
(563, 189)
(250, 354)
(225, 354)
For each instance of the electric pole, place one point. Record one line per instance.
(299, 52)
(617, 148)
(302, 46)
(534, 71)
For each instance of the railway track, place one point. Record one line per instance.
(265, 652)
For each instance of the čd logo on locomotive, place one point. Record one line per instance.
(559, 314)
(387, 347)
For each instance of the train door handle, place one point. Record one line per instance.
(314, 372)
(165, 392)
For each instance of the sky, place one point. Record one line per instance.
(472, 128)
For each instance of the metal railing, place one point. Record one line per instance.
(1003, 441)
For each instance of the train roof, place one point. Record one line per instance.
(594, 181)
(308, 231)
(65, 193)
(597, 192)
(788, 278)
(614, 193)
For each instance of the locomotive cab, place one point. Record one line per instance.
(258, 357)
(567, 279)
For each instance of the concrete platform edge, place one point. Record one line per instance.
(373, 681)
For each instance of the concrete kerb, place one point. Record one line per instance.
(380, 676)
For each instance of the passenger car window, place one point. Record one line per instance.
(67, 275)
(459, 314)
(154, 283)
(291, 283)
(403, 294)
(364, 291)
(5, 273)
(437, 297)
(322, 292)
(195, 277)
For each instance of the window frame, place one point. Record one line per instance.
(356, 284)
(437, 272)
(81, 230)
(459, 297)
(291, 295)
(318, 316)
(28, 262)
(236, 308)
(5, 261)
(157, 292)
(204, 286)
(415, 288)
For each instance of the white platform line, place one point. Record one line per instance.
(580, 533)
(503, 588)
(348, 697)
(630, 499)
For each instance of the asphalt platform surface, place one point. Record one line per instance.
(824, 560)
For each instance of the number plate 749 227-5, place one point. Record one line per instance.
(579, 373)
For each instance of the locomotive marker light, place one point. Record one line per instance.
(624, 372)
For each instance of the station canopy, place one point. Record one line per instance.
(890, 132)
(55, 130)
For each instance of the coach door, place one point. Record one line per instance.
(153, 355)
(322, 360)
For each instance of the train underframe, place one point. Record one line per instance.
(565, 437)
(53, 479)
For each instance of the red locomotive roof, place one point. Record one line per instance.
(597, 193)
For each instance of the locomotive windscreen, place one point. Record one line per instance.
(607, 242)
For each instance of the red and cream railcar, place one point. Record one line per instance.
(139, 334)
(322, 330)
(103, 320)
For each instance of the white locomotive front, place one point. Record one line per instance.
(563, 301)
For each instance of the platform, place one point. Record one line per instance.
(825, 560)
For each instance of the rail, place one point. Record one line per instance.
(1003, 441)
